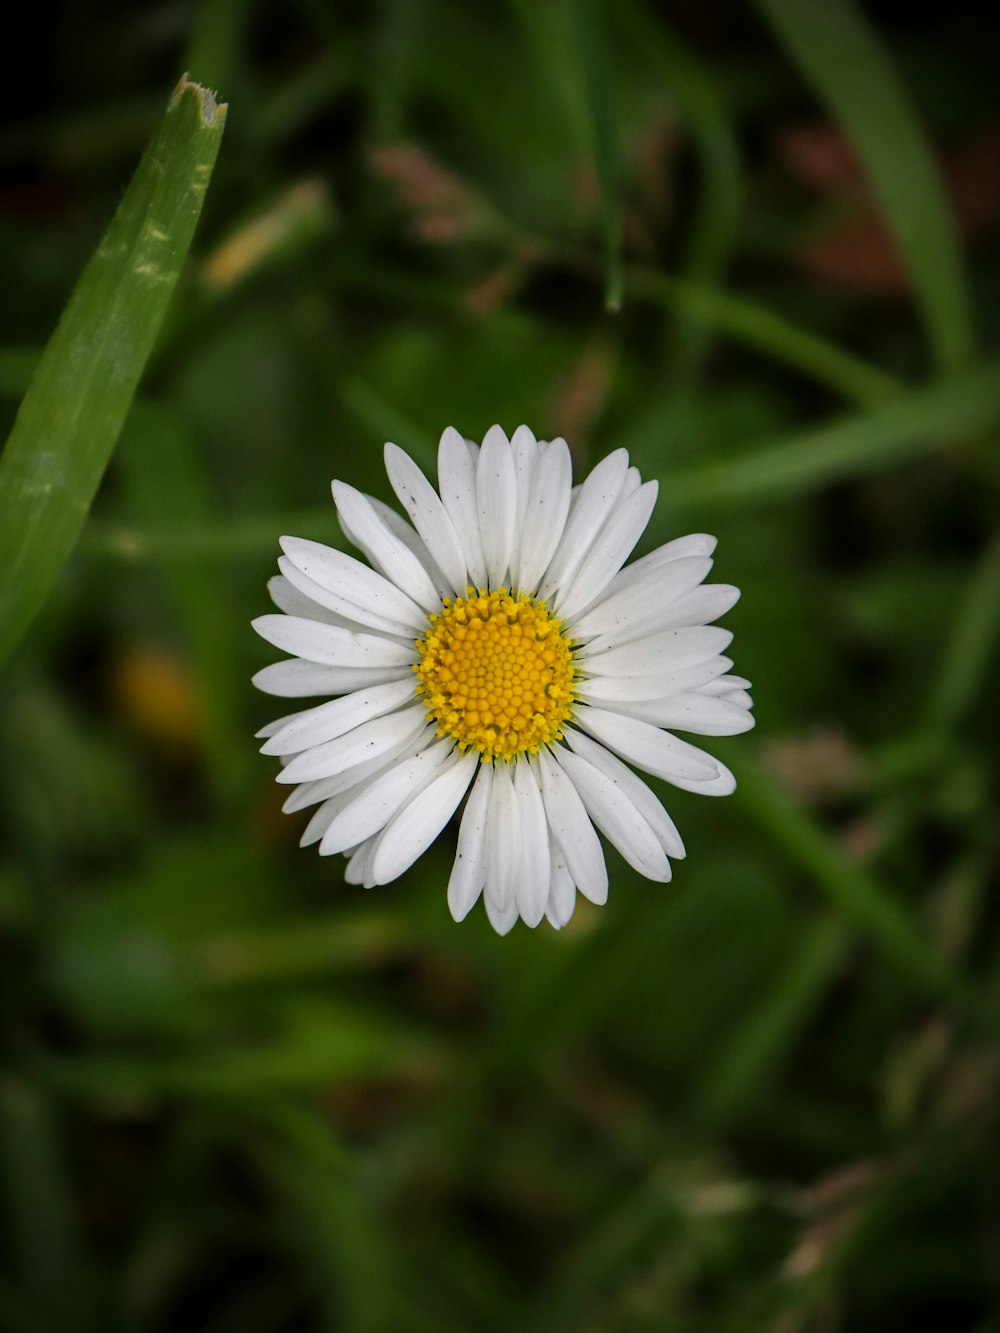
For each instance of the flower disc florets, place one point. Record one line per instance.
(496, 673)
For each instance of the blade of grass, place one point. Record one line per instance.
(17, 365)
(971, 646)
(165, 487)
(770, 334)
(904, 429)
(213, 52)
(336, 1226)
(925, 420)
(71, 416)
(717, 202)
(841, 56)
(386, 422)
(595, 67)
(240, 537)
(748, 1060)
(45, 1248)
(857, 897)
(295, 948)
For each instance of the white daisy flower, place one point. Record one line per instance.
(498, 642)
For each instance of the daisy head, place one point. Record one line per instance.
(497, 649)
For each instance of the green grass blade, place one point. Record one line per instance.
(927, 419)
(854, 893)
(718, 198)
(749, 1059)
(336, 1225)
(971, 646)
(37, 1196)
(164, 485)
(595, 65)
(839, 54)
(214, 48)
(71, 416)
(901, 431)
(17, 365)
(768, 333)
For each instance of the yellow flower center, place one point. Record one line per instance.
(496, 673)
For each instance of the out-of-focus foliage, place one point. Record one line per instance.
(240, 1095)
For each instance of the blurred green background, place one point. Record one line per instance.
(238, 1095)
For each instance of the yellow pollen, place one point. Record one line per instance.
(496, 673)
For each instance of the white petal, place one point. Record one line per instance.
(723, 784)
(573, 831)
(468, 874)
(503, 839)
(591, 506)
(372, 535)
(430, 518)
(319, 789)
(626, 689)
(545, 516)
(681, 548)
(357, 869)
(338, 573)
(702, 605)
(321, 820)
(295, 678)
(524, 452)
(276, 723)
(296, 603)
(501, 918)
(331, 645)
(648, 747)
(632, 482)
(368, 741)
(723, 684)
(329, 720)
(694, 610)
(368, 811)
(624, 527)
(644, 800)
(670, 650)
(457, 483)
(531, 892)
(635, 611)
(496, 503)
(697, 713)
(562, 891)
(738, 697)
(340, 610)
(616, 816)
(399, 527)
(416, 826)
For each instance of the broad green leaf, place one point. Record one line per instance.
(841, 56)
(72, 414)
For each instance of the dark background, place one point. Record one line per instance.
(238, 1094)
